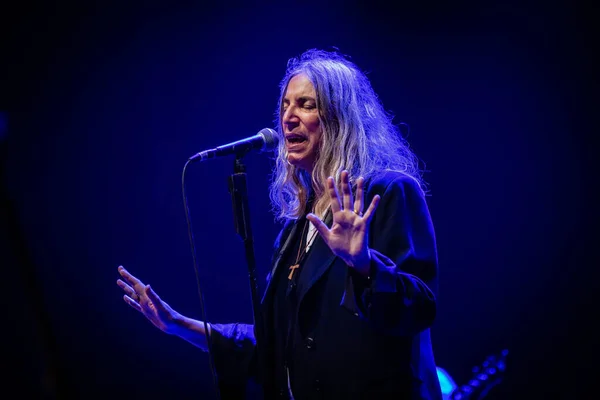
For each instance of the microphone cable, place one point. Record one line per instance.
(200, 295)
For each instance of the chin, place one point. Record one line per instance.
(296, 163)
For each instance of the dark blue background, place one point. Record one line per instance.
(105, 103)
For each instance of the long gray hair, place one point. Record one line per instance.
(358, 134)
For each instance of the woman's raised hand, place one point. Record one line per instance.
(348, 237)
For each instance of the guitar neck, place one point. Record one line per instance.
(485, 377)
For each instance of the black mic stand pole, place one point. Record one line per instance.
(241, 215)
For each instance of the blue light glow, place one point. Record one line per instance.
(446, 382)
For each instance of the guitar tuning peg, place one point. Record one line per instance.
(501, 365)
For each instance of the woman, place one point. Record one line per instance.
(350, 299)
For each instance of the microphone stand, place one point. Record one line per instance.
(241, 218)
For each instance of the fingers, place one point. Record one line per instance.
(346, 191)
(131, 280)
(132, 303)
(360, 196)
(137, 295)
(371, 210)
(333, 196)
(319, 225)
(346, 202)
(127, 289)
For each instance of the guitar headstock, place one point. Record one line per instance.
(485, 376)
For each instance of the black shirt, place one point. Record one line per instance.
(285, 303)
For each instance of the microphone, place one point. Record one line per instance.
(265, 140)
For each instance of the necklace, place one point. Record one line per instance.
(302, 249)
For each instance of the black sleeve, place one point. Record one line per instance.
(398, 296)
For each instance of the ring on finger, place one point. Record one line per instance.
(360, 214)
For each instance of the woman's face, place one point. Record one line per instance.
(300, 123)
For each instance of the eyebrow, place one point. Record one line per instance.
(300, 99)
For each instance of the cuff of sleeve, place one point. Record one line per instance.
(382, 273)
(360, 288)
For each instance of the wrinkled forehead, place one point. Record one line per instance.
(299, 85)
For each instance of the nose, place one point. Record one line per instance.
(290, 118)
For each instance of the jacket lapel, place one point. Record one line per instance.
(289, 239)
(319, 253)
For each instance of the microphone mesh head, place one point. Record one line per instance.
(271, 139)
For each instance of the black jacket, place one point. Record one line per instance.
(359, 338)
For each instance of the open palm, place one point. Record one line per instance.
(348, 237)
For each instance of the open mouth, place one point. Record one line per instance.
(294, 139)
